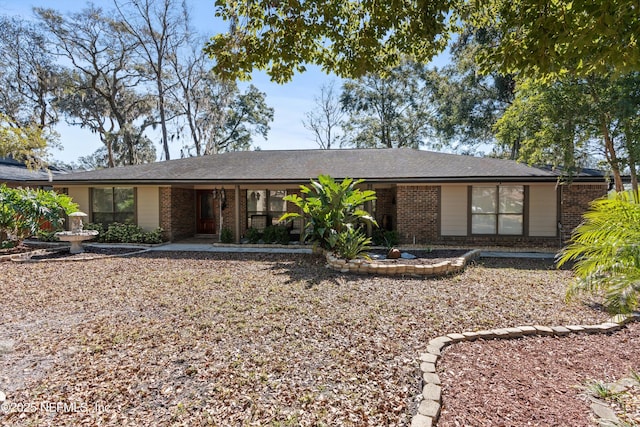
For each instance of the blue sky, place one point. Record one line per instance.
(290, 101)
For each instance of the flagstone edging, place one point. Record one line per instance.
(431, 402)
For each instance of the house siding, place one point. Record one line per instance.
(80, 195)
(454, 210)
(543, 211)
(147, 202)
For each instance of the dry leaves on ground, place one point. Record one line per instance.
(240, 339)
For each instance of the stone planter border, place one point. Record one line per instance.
(431, 397)
(363, 266)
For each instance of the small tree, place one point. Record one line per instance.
(606, 248)
(24, 211)
(331, 208)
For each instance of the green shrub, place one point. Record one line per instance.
(125, 233)
(253, 235)
(276, 234)
(351, 243)
(226, 236)
(385, 238)
(47, 236)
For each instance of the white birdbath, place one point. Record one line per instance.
(77, 235)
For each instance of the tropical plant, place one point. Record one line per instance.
(352, 243)
(606, 251)
(24, 211)
(330, 208)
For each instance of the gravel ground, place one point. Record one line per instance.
(244, 339)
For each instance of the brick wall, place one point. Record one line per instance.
(417, 213)
(574, 202)
(386, 205)
(177, 213)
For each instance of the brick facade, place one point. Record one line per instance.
(386, 213)
(413, 211)
(575, 199)
(418, 209)
(177, 213)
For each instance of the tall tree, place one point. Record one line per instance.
(327, 118)
(390, 111)
(28, 74)
(103, 56)
(543, 38)
(230, 126)
(562, 122)
(161, 30)
(351, 37)
(467, 102)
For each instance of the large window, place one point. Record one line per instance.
(114, 204)
(265, 207)
(497, 209)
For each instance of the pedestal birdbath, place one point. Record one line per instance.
(76, 235)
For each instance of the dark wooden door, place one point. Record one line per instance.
(206, 220)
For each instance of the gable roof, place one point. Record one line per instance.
(295, 166)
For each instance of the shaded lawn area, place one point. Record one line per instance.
(244, 339)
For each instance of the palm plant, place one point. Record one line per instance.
(606, 251)
(331, 208)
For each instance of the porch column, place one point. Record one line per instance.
(237, 216)
(368, 207)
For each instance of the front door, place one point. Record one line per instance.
(206, 221)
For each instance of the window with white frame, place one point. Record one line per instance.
(497, 209)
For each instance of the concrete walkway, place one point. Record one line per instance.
(204, 247)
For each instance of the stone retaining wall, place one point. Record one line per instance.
(363, 266)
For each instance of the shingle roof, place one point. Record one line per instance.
(14, 171)
(384, 165)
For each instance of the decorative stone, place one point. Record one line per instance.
(394, 253)
(560, 330)
(575, 328)
(471, 336)
(6, 346)
(420, 420)
(432, 392)
(604, 412)
(433, 350)
(528, 330)
(456, 337)
(429, 408)
(428, 367)
(543, 330)
(428, 357)
(514, 332)
(431, 378)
